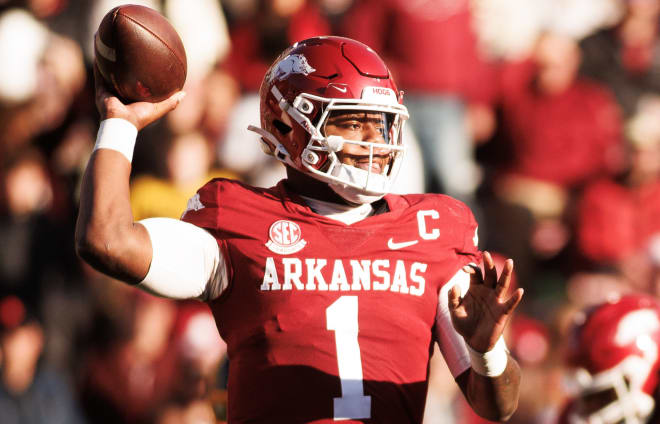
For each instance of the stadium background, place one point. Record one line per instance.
(542, 115)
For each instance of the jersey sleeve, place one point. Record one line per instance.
(451, 344)
(470, 242)
(202, 209)
(186, 262)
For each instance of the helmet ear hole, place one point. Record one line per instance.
(283, 128)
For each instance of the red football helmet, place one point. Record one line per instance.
(309, 81)
(615, 353)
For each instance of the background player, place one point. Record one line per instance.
(614, 357)
(328, 291)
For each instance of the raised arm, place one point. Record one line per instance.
(106, 236)
(492, 384)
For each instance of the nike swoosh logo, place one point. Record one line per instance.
(342, 89)
(395, 246)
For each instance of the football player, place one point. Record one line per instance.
(328, 291)
(614, 361)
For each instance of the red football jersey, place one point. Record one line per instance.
(324, 320)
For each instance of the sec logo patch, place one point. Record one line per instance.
(285, 237)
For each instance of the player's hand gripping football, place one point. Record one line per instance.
(481, 315)
(139, 114)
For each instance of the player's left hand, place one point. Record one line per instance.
(481, 315)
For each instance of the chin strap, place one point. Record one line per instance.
(373, 186)
(353, 196)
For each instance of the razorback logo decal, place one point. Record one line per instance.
(292, 64)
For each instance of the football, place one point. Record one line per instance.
(139, 54)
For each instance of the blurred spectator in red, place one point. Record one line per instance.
(626, 57)
(619, 220)
(335, 13)
(33, 228)
(258, 38)
(432, 51)
(201, 352)
(129, 381)
(167, 363)
(267, 27)
(30, 392)
(562, 131)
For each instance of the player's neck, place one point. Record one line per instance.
(348, 214)
(309, 187)
(324, 201)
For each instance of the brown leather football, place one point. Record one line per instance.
(140, 54)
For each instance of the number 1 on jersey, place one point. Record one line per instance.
(342, 318)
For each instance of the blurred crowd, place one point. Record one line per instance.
(542, 115)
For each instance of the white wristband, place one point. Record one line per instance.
(117, 134)
(491, 363)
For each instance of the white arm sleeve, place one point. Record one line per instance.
(186, 263)
(451, 344)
